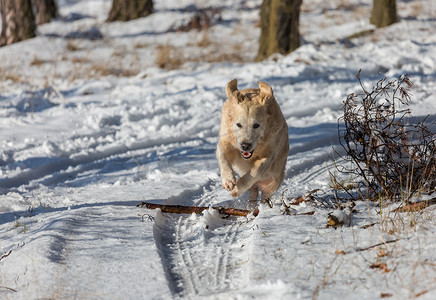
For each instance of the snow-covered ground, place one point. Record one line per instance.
(90, 126)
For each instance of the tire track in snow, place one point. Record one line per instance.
(203, 254)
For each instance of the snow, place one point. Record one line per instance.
(90, 127)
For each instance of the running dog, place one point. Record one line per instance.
(253, 142)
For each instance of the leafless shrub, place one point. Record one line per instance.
(389, 157)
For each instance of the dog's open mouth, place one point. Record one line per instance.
(247, 154)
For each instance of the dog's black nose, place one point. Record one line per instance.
(245, 146)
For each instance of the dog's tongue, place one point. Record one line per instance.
(246, 154)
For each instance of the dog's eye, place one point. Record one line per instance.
(256, 125)
(239, 125)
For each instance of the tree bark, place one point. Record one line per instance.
(279, 22)
(180, 209)
(18, 21)
(384, 13)
(46, 10)
(125, 10)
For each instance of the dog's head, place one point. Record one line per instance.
(249, 115)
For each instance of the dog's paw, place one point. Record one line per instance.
(235, 192)
(229, 184)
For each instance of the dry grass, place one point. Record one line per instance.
(417, 9)
(141, 45)
(101, 70)
(224, 57)
(168, 57)
(395, 222)
(79, 60)
(119, 51)
(205, 41)
(345, 5)
(38, 62)
(201, 20)
(10, 75)
(72, 46)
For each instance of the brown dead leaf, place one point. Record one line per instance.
(340, 252)
(305, 198)
(385, 295)
(332, 221)
(382, 253)
(381, 266)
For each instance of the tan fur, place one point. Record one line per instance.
(252, 118)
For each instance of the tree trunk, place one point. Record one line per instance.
(384, 13)
(125, 10)
(279, 22)
(46, 10)
(18, 21)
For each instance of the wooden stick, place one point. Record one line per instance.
(180, 209)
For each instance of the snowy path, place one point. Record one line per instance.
(84, 246)
(204, 254)
(202, 258)
(94, 243)
(81, 145)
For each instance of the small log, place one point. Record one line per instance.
(180, 209)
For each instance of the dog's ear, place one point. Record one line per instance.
(231, 87)
(232, 91)
(265, 92)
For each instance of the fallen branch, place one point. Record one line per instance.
(366, 248)
(180, 209)
(416, 206)
(8, 288)
(376, 245)
(6, 255)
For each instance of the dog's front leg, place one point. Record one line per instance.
(227, 176)
(249, 179)
(243, 184)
